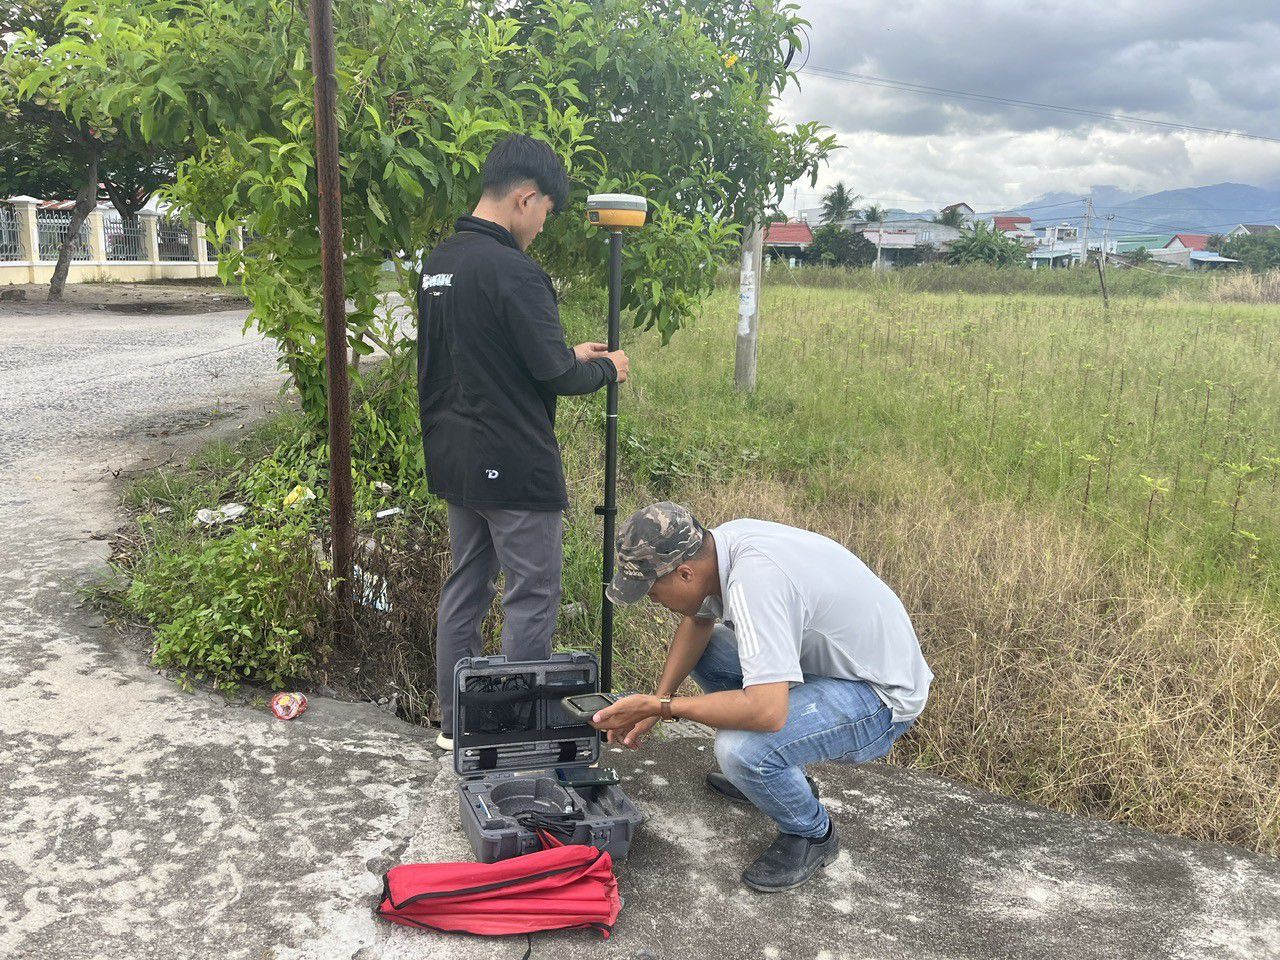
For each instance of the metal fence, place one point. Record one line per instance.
(10, 234)
(123, 237)
(53, 226)
(215, 251)
(175, 239)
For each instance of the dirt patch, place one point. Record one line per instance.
(149, 297)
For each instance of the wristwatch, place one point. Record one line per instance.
(664, 704)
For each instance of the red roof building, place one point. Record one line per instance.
(1012, 223)
(1188, 241)
(790, 234)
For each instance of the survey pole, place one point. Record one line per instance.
(614, 212)
(610, 509)
(341, 518)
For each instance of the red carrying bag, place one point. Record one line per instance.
(559, 888)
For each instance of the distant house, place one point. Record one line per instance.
(966, 211)
(1207, 260)
(1186, 250)
(1253, 229)
(1189, 259)
(1007, 222)
(1050, 257)
(787, 241)
(1050, 235)
(1017, 227)
(937, 235)
(1147, 241)
(1188, 241)
(895, 245)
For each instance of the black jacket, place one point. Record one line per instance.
(491, 357)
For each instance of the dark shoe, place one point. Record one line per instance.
(790, 860)
(720, 784)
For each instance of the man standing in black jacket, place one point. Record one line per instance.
(492, 358)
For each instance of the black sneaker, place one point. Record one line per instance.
(790, 861)
(721, 784)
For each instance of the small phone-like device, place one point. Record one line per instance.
(587, 776)
(584, 706)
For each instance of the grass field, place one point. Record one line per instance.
(1157, 423)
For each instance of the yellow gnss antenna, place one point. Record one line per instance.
(616, 211)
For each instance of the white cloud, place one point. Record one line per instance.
(1177, 61)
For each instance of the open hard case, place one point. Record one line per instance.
(510, 735)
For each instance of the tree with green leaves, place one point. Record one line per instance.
(46, 152)
(837, 204)
(1257, 252)
(672, 100)
(874, 213)
(833, 246)
(982, 243)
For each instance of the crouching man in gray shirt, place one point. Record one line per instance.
(803, 655)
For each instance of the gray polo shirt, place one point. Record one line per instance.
(801, 604)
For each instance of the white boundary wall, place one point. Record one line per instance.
(31, 268)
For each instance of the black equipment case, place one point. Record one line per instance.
(510, 735)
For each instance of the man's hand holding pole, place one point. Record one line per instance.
(589, 351)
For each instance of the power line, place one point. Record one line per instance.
(873, 81)
(1165, 228)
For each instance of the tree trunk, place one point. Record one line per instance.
(86, 201)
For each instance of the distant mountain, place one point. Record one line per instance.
(1101, 194)
(1214, 209)
(1210, 209)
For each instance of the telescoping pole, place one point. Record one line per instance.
(614, 212)
(610, 508)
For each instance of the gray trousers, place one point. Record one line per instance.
(528, 547)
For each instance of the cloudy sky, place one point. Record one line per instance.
(1200, 63)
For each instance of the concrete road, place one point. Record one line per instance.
(139, 821)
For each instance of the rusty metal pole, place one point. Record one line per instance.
(335, 308)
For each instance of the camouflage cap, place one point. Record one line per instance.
(653, 541)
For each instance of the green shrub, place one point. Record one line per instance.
(240, 607)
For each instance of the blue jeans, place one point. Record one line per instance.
(827, 719)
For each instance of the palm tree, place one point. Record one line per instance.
(874, 213)
(837, 204)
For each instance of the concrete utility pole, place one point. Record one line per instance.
(1102, 260)
(879, 237)
(1084, 239)
(750, 280)
(335, 308)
